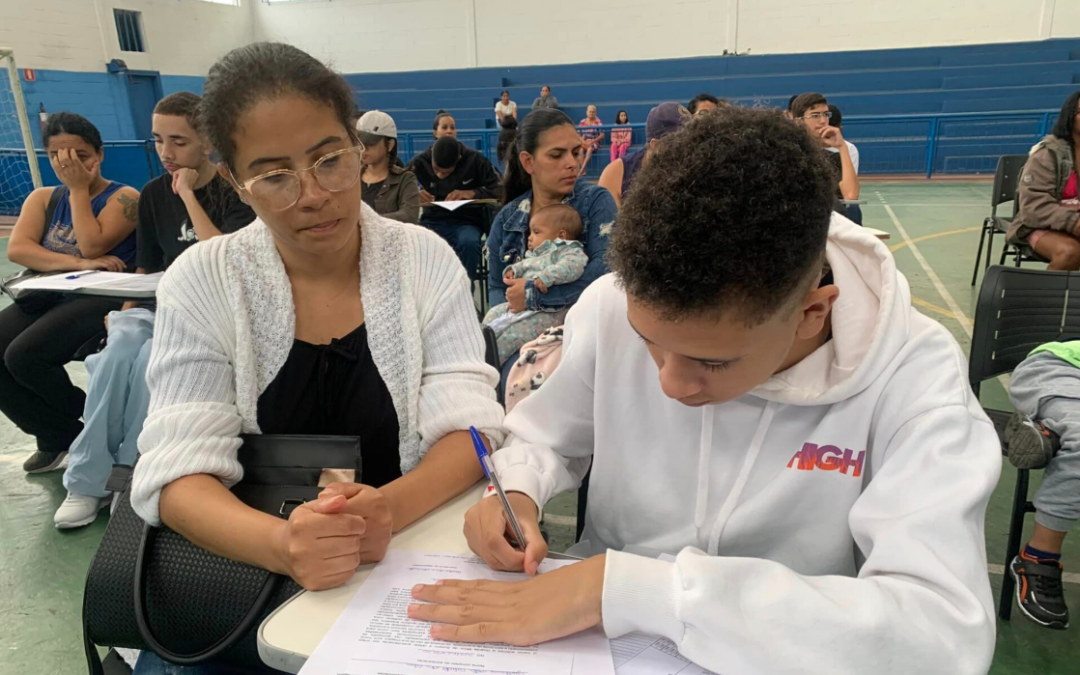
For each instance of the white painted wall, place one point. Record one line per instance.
(182, 37)
(185, 36)
(373, 35)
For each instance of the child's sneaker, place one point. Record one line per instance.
(1030, 444)
(1039, 592)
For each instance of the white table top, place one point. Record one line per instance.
(880, 234)
(289, 635)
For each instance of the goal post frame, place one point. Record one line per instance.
(20, 112)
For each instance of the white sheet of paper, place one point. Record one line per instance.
(454, 205)
(121, 281)
(57, 282)
(374, 636)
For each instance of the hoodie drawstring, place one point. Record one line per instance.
(744, 475)
(704, 455)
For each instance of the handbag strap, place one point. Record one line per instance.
(54, 199)
(228, 640)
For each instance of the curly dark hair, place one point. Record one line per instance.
(247, 75)
(731, 213)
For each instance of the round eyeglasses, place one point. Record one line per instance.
(280, 189)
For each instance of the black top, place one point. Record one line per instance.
(164, 230)
(336, 390)
(370, 191)
(473, 172)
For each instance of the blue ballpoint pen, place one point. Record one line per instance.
(489, 470)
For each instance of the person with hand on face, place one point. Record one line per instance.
(320, 318)
(781, 421)
(452, 172)
(543, 170)
(387, 187)
(812, 112)
(545, 99)
(188, 204)
(618, 176)
(92, 228)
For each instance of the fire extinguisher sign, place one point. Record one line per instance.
(29, 75)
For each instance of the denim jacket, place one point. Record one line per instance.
(508, 242)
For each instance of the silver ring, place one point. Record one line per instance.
(63, 166)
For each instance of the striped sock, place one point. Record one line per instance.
(1035, 554)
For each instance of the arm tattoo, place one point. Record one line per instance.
(131, 206)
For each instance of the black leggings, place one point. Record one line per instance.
(35, 390)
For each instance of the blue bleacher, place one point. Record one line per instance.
(1028, 76)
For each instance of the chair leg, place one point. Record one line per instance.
(1012, 549)
(990, 245)
(978, 255)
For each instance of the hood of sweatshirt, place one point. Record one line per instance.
(870, 323)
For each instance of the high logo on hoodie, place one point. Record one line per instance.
(827, 458)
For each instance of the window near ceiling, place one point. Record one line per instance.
(129, 30)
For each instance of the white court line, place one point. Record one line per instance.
(967, 204)
(964, 322)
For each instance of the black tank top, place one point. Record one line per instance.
(336, 390)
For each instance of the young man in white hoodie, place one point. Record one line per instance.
(756, 395)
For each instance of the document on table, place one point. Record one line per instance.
(374, 635)
(640, 654)
(453, 205)
(113, 281)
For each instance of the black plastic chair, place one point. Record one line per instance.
(1018, 310)
(491, 355)
(1006, 181)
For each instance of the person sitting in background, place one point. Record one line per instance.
(555, 256)
(444, 125)
(781, 421)
(188, 204)
(543, 170)
(92, 228)
(1049, 217)
(545, 99)
(506, 138)
(790, 103)
(1045, 432)
(388, 188)
(618, 176)
(703, 103)
(505, 109)
(811, 110)
(593, 138)
(453, 172)
(320, 318)
(836, 119)
(621, 137)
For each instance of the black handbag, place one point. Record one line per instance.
(149, 588)
(31, 301)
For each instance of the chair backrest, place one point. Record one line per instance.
(491, 355)
(1018, 310)
(1007, 179)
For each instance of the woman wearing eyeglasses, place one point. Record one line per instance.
(320, 318)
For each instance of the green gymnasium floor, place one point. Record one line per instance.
(934, 228)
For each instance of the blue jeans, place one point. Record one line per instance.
(151, 664)
(117, 401)
(464, 239)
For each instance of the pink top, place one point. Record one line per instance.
(591, 136)
(622, 135)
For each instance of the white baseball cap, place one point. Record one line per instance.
(375, 125)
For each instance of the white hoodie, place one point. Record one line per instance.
(831, 521)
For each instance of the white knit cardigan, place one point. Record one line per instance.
(226, 323)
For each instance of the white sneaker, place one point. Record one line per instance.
(77, 511)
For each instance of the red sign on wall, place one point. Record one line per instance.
(29, 75)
